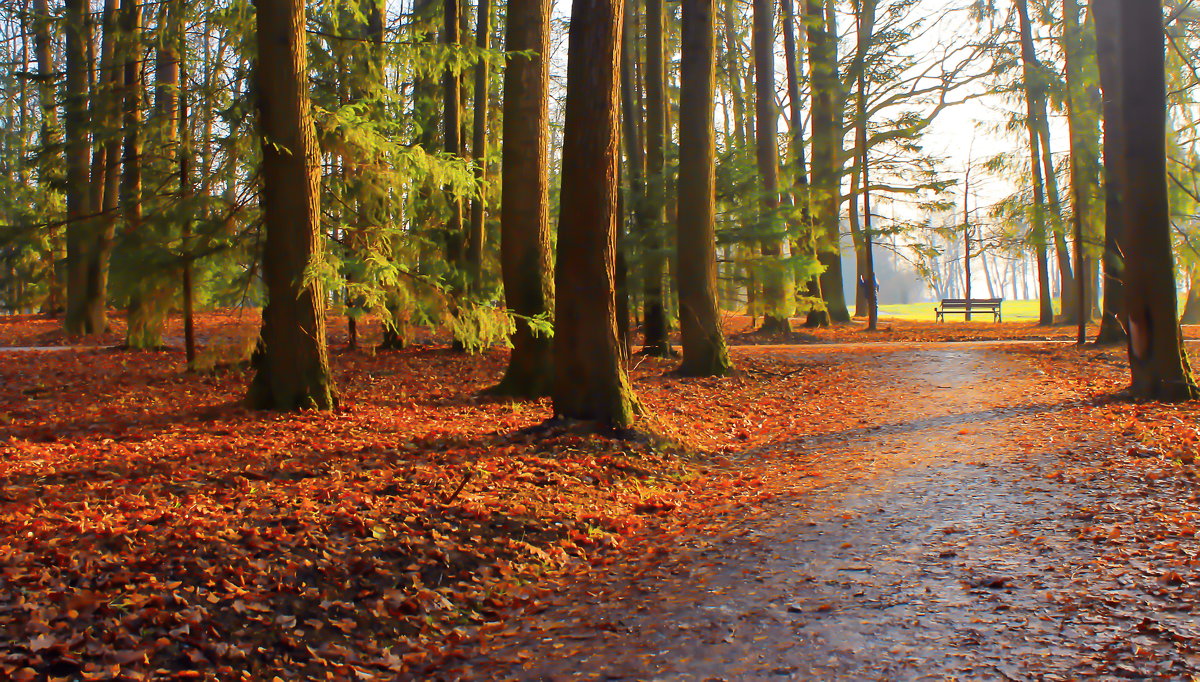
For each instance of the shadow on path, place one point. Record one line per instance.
(955, 558)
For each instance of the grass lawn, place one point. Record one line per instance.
(1013, 311)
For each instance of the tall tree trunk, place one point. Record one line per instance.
(777, 307)
(1158, 364)
(78, 37)
(1112, 324)
(292, 366)
(50, 155)
(452, 134)
(704, 349)
(590, 382)
(866, 257)
(524, 203)
(1083, 119)
(806, 241)
(655, 339)
(827, 130)
(733, 72)
(476, 234)
(1035, 95)
(107, 98)
(185, 242)
(1033, 104)
(149, 297)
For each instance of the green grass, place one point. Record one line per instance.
(1013, 311)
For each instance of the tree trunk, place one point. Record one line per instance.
(452, 136)
(149, 295)
(869, 285)
(704, 350)
(1033, 104)
(1035, 88)
(655, 340)
(827, 130)
(292, 367)
(525, 204)
(777, 308)
(806, 242)
(590, 382)
(476, 234)
(78, 37)
(49, 156)
(1083, 118)
(1158, 364)
(1112, 323)
(734, 73)
(185, 198)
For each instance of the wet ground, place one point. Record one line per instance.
(958, 556)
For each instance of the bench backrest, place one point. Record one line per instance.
(974, 302)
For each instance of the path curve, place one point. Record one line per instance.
(949, 561)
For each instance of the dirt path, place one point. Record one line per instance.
(957, 557)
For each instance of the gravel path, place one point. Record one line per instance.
(955, 558)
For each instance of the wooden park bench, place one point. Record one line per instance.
(964, 307)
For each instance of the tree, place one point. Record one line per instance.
(1158, 364)
(1112, 326)
(777, 307)
(292, 366)
(1035, 111)
(50, 155)
(525, 201)
(590, 382)
(655, 337)
(1083, 120)
(475, 235)
(807, 243)
(827, 132)
(78, 36)
(704, 350)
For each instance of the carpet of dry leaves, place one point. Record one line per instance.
(151, 527)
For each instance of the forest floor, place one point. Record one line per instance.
(836, 510)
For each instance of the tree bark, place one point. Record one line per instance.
(78, 37)
(50, 155)
(146, 312)
(1112, 323)
(590, 382)
(476, 234)
(655, 340)
(525, 204)
(1158, 364)
(452, 136)
(292, 367)
(704, 349)
(777, 308)
(1083, 119)
(1034, 104)
(827, 131)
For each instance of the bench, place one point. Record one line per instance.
(964, 307)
